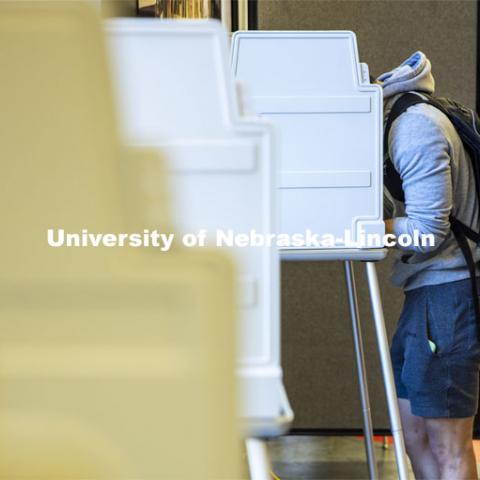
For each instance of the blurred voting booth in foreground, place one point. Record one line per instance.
(114, 363)
(176, 94)
(313, 89)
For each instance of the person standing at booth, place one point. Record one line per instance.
(436, 349)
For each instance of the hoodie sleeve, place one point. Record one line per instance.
(420, 153)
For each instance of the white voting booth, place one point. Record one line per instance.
(176, 93)
(311, 86)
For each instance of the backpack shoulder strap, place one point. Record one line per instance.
(461, 235)
(392, 178)
(406, 101)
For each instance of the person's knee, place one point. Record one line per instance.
(451, 452)
(416, 441)
(441, 451)
(449, 441)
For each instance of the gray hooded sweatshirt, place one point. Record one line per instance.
(437, 180)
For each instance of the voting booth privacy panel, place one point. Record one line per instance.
(176, 94)
(107, 356)
(313, 89)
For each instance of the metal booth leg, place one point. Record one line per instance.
(387, 371)
(258, 459)
(361, 370)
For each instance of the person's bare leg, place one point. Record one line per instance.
(424, 464)
(451, 443)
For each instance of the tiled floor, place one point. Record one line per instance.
(332, 458)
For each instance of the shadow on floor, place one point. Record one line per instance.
(332, 458)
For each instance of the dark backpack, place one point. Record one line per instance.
(467, 125)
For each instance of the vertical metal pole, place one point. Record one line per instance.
(386, 363)
(361, 370)
(258, 459)
(226, 14)
(242, 14)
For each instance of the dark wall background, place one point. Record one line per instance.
(388, 31)
(317, 355)
(318, 359)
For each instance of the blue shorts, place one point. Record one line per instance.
(443, 383)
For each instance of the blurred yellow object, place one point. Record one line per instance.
(118, 8)
(115, 363)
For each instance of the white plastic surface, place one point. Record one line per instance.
(176, 94)
(313, 88)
